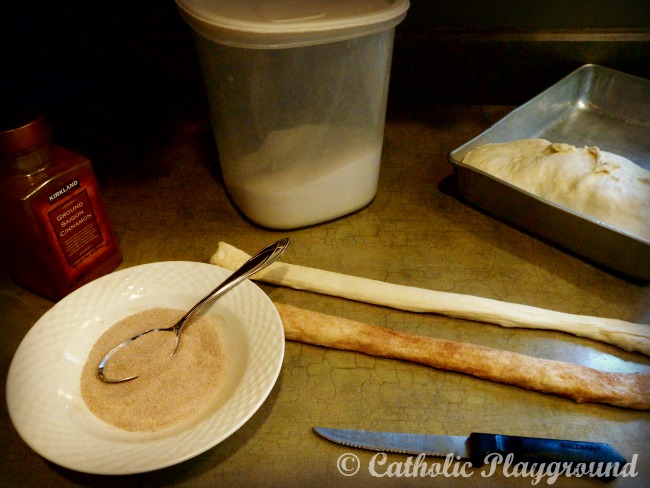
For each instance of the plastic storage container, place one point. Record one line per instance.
(297, 93)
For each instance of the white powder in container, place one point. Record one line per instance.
(169, 389)
(306, 175)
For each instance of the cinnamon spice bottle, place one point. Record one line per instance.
(55, 234)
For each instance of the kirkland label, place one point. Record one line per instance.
(62, 191)
(75, 226)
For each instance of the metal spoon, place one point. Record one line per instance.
(262, 259)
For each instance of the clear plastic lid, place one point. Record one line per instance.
(289, 23)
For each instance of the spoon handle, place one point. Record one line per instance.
(260, 261)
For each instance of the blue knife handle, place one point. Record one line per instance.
(536, 450)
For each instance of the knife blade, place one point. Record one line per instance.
(478, 446)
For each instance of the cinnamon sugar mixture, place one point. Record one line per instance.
(169, 389)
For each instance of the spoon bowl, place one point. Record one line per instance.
(259, 261)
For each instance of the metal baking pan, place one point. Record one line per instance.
(593, 106)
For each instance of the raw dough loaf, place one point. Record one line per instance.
(595, 183)
(579, 383)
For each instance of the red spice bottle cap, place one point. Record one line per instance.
(24, 139)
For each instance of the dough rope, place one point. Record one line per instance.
(626, 335)
(578, 383)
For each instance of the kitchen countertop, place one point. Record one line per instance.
(415, 232)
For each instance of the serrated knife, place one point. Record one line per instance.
(477, 447)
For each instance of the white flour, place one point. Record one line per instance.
(306, 175)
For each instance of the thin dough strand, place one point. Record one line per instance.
(626, 335)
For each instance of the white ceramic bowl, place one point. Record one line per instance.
(43, 384)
